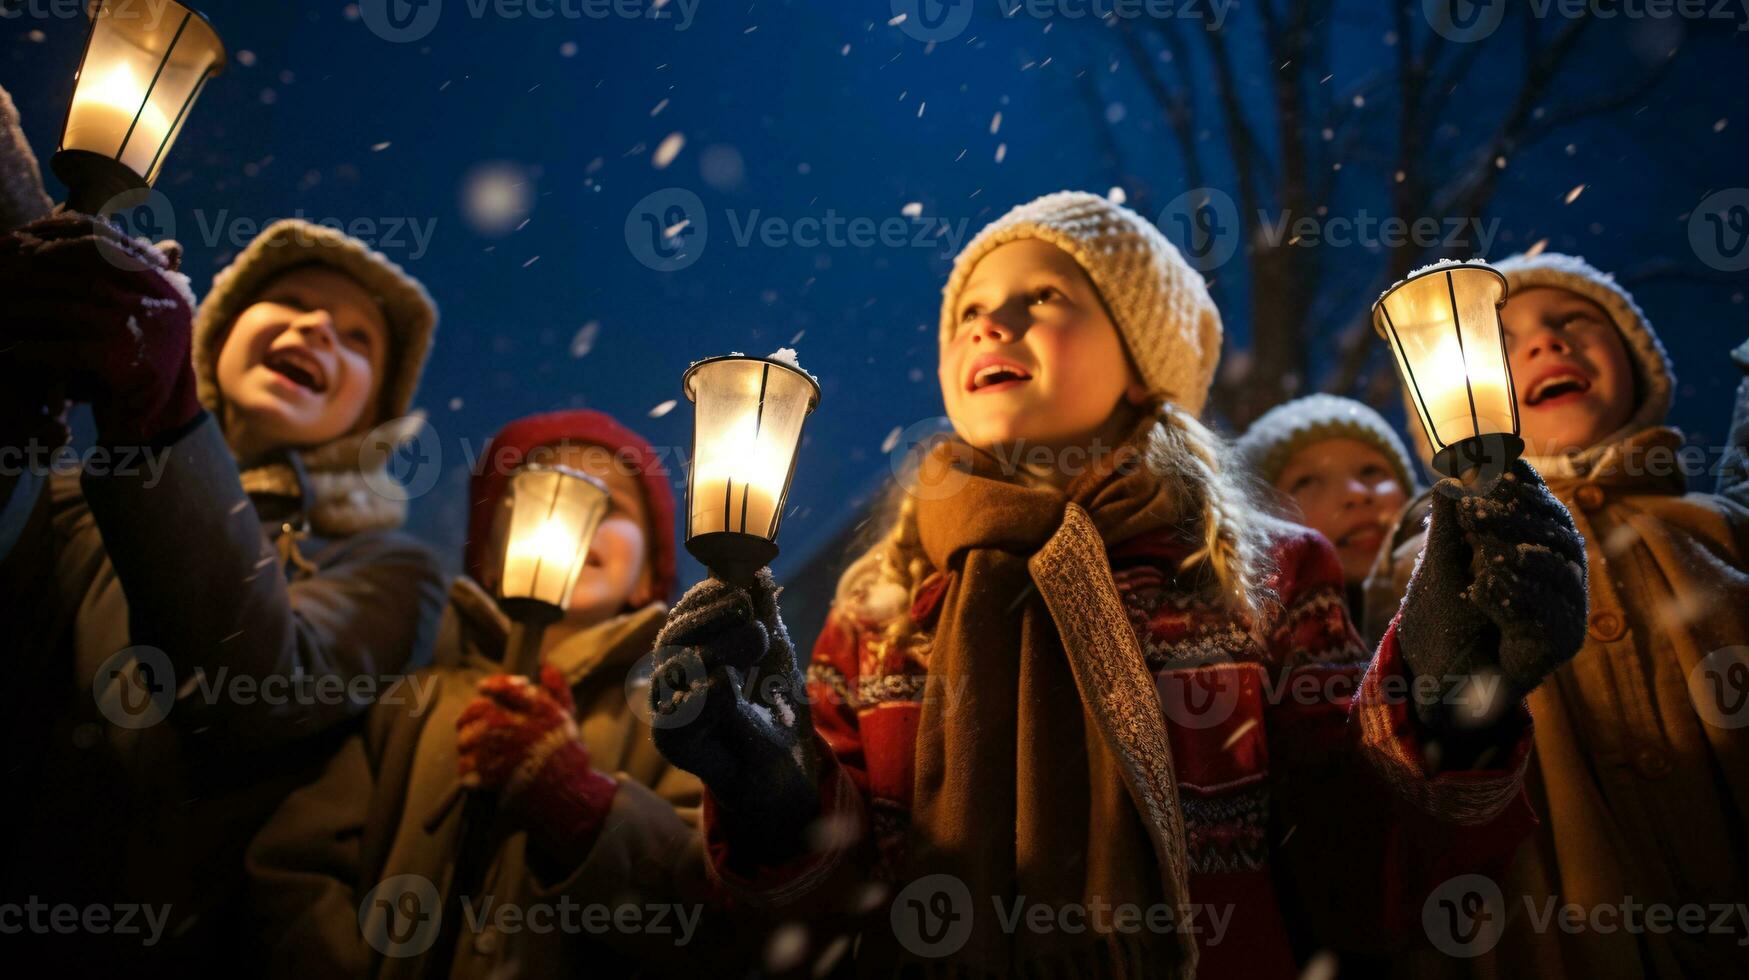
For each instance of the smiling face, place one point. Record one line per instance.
(1034, 356)
(1570, 369)
(303, 363)
(618, 573)
(1347, 491)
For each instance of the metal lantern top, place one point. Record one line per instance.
(748, 419)
(143, 67)
(542, 533)
(1443, 326)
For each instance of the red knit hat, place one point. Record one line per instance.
(510, 448)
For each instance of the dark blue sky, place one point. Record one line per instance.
(794, 111)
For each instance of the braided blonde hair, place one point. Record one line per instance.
(879, 587)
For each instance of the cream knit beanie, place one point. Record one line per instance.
(1285, 429)
(1159, 304)
(1655, 382)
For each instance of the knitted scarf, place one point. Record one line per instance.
(1046, 775)
(344, 477)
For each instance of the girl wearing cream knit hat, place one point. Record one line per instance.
(1039, 686)
(244, 542)
(1339, 469)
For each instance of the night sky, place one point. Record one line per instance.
(812, 110)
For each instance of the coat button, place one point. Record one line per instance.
(1607, 626)
(1652, 763)
(1589, 496)
(486, 943)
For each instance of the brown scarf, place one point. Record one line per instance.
(1046, 774)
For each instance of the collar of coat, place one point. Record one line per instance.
(1623, 460)
(615, 644)
(342, 487)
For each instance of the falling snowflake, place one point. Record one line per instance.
(1573, 195)
(496, 197)
(584, 342)
(995, 123)
(380, 147)
(1116, 195)
(912, 209)
(667, 151)
(1001, 151)
(664, 408)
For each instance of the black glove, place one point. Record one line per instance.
(729, 706)
(1499, 593)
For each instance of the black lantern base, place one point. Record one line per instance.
(1478, 457)
(97, 184)
(732, 556)
(529, 619)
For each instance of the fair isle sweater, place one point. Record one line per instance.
(1312, 821)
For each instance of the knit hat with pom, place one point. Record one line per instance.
(1654, 381)
(1286, 429)
(1159, 304)
(514, 444)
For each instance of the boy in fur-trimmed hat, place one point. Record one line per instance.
(1640, 774)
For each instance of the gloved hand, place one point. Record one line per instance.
(729, 705)
(107, 318)
(1500, 590)
(522, 741)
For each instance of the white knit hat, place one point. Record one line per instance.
(1159, 304)
(1654, 381)
(1284, 430)
(285, 245)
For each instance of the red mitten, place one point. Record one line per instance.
(522, 741)
(105, 317)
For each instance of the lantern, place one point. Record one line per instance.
(143, 67)
(1443, 325)
(541, 536)
(747, 426)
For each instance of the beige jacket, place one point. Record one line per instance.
(1641, 769)
(351, 877)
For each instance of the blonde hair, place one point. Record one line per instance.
(1222, 510)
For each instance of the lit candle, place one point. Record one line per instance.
(104, 111)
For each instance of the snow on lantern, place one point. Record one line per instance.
(143, 67)
(747, 428)
(1443, 325)
(541, 536)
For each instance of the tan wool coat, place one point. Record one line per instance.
(351, 877)
(1641, 769)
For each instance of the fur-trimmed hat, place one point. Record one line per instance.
(285, 245)
(1654, 381)
(513, 444)
(1159, 304)
(1284, 430)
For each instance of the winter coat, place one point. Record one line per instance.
(379, 832)
(139, 772)
(1642, 798)
(1309, 819)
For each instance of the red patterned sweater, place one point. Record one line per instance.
(1311, 821)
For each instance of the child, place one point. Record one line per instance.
(377, 816)
(1341, 471)
(1640, 781)
(184, 623)
(1045, 690)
